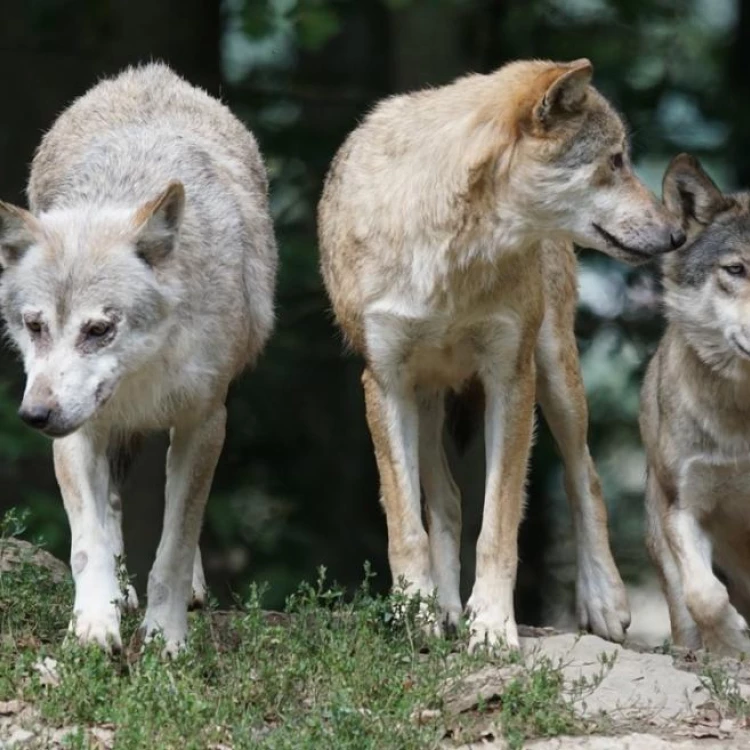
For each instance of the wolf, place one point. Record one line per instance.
(445, 231)
(695, 417)
(139, 284)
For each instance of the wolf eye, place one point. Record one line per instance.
(617, 161)
(34, 327)
(735, 269)
(97, 330)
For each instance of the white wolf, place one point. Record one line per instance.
(139, 285)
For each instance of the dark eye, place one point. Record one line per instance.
(735, 269)
(98, 330)
(34, 327)
(617, 161)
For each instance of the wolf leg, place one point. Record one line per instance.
(200, 591)
(121, 452)
(113, 525)
(393, 419)
(722, 627)
(443, 504)
(82, 471)
(601, 600)
(685, 632)
(194, 451)
(509, 420)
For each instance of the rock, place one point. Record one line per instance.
(7, 708)
(18, 737)
(16, 552)
(637, 686)
(467, 692)
(633, 742)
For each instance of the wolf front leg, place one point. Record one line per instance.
(83, 473)
(393, 419)
(509, 418)
(722, 627)
(685, 632)
(195, 446)
(443, 505)
(601, 601)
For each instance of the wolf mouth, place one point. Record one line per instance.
(612, 240)
(742, 350)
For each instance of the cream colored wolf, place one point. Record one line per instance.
(695, 417)
(138, 287)
(445, 229)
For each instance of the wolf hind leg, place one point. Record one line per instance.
(200, 590)
(601, 600)
(195, 446)
(443, 505)
(121, 454)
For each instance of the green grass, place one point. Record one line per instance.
(330, 671)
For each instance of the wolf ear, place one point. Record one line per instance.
(688, 192)
(18, 231)
(566, 93)
(158, 223)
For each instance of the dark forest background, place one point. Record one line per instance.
(297, 486)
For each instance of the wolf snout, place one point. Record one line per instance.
(36, 415)
(677, 238)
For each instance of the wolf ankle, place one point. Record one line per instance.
(708, 604)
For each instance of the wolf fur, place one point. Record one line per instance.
(445, 231)
(137, 287)
(695, 417)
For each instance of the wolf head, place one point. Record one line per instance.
(707, 283)
(86, 298)
(571, 169)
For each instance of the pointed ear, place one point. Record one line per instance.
(18, 231)
(158, 223)
(689, 193)
(566, 93)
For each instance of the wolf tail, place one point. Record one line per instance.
(464, 412)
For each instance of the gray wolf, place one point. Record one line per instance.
(137, 287)
(445, 231)
(695, 417)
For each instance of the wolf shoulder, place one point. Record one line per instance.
(147, 98)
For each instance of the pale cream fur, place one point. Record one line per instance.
(445, 232)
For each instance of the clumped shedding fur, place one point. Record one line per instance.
(137, 287)
(695, 417)
(446, 227)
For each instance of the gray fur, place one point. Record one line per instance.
(138, 287)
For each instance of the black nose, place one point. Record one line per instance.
(35, 416)
(678, 238)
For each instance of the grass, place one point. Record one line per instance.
(330, 671)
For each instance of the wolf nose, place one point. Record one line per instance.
(677, 238)
(35, 416)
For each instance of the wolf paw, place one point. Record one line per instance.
(492, 627)
(100, 627)
(602, 603)
(169, 625)
(729, 636)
